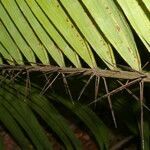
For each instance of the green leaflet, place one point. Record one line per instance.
(49, 114)
(1, 61)
(52, 124)
(124, 108)
(6, 55)
(42, 35)
(67, 29)
(147, 4)
(88, 29)
(21, 43)
(52, 117)
(26, 119)
(9, 122)
(114, 27)
(72, 28)
(9, 45)
(142, 27)
(88, 117)
(50, 29)
(26, 30)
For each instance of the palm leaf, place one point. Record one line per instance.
(52, 32)
(147, 4)
(1, 61)
(21, 43)
(67, 29)
(6, 55)
(74, 29)
(41, 34)
(9, 45)
(114, 26)
(89, 30)
(26, 31)
(141, 27)
(89, 118)
(26, 119)
(19, 110)
(12, 126)
(52, 117)
(41, 105)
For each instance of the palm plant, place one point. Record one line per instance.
(62, 39)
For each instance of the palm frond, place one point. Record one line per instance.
(78, 30)
(25, 118)
(100, 45)
(97, 127)
(147, 4)
(64, 36)
(12, 126)
(142, 27)
(17, 37)
(115, 28)
(19, 111)
(9, 45)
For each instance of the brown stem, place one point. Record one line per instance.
(85, 71)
